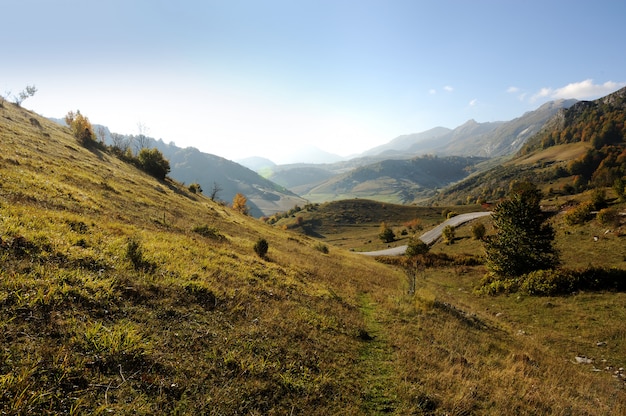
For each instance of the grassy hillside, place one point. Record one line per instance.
(123, 295)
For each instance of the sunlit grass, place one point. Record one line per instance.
(200, 324)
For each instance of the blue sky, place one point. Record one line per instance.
(241, 78)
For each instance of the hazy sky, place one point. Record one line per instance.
(264, 77)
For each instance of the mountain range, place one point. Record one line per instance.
(386, 165)
(394, 172)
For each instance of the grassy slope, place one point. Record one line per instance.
(200, 325)
(204, 326)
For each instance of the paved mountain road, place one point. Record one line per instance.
(431, 236)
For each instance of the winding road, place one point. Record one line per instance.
(431, 236)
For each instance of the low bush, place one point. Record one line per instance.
(209, 232)
(579, 214)
(153, 163)
(608, 216)
(261, 247)
(323, 248)
(556, 282)
(134, 253)
(195, 188)
(479, 231)
(416, 247)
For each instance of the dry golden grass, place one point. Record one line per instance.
(560, 153)
(112, 303)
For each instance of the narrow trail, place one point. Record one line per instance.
(376, 360)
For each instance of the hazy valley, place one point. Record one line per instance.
(127, 293)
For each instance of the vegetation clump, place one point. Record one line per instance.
(240, 203)
(579, 214)
(555, 282)
(81, 127)
(261, 247)
(524, 240)
(416, 247)
(195, 188)
(448, 234)
(209, 232)
(386, 233)
(479, 231)
(134, 253)
(152, 162)
(321, 247)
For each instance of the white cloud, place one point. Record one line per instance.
(512, 90)
(473, 102)
(432, 91)
(580, 90)
(448, 88)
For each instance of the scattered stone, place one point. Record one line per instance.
(581, 359)
(601, 344)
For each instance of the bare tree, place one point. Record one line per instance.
(4, 97)
(215, 190)
(101, 133)
(27, 92)
(141, 141)
(119, 141)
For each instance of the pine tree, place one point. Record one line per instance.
(524, 240)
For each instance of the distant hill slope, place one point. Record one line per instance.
(190, 165)
(406, 142)
(580, 147)
(399, 181)
(265, 197)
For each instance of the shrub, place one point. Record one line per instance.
(386, 234)
(323, 248)
(134, 252)
(492, 284)
(554, 282)
(195, 188)
(240, 203)
(478, 231)
(579, 214)
(547, 282)
(209, 232)
(261, 247)
(416, 247)
(451, 214)
(81, 127)
(608, 216)
(448, 234)
(153, 163)
(598, 199)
